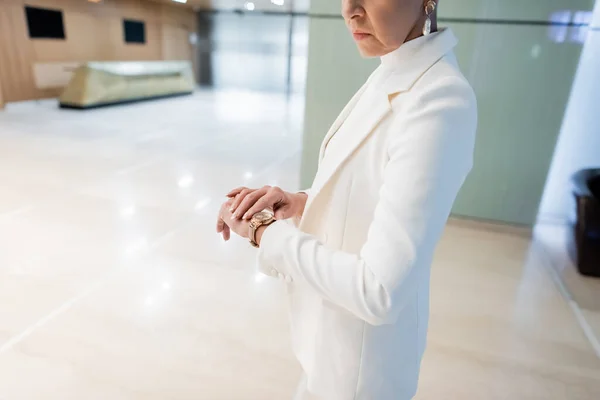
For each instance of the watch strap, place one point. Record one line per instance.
(253, 228)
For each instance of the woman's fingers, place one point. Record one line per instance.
(239, 198)
(226, 233)
(247, 202)
(220, 224)
(251, 200)
(222, 227)
(244, 200)
(266, 201)
(273, 199)
(236, 191)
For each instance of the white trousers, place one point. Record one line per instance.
(302, 391)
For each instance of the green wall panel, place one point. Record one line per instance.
(335, 72)
(522, 81)
(522, 77)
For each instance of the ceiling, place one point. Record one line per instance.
(248, 5)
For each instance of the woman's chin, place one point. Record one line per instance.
(367, 51)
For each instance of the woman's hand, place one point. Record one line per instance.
(247, 202)
(226, 223)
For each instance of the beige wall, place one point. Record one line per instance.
(93, 33)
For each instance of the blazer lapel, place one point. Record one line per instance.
(341, 118)
(411, 66)
(353, 138)
(414, 62)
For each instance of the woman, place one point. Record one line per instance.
(356, 259)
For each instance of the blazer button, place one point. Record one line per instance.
(288, 279)
(274, 272)
(280, 275)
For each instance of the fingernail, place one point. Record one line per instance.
(246, 216)
(235, 216)
(231, 209)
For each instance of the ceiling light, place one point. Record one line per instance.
(250, 6)
(180, 1)
(278, 2)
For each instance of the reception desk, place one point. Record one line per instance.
(98, 84)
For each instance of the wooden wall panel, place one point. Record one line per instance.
(85, 34)
(179, 16)
(178, 23)
(94, 32)
(175, 43)
(15, 56)
(1, 98)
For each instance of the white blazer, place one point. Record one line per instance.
(358, 265)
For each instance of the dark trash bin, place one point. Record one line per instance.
(586, 246)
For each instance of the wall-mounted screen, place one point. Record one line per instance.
(43, 23)
(134, 31)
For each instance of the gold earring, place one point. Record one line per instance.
(429, 9)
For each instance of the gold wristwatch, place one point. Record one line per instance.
(263, 218)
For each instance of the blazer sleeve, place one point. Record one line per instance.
(430, 154)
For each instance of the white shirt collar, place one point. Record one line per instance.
(404, 52)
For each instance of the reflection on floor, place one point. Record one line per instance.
(582, 292)
(114, 286)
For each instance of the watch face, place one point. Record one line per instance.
(263, 216)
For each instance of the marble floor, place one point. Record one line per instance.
(581, 292)
(114, 286)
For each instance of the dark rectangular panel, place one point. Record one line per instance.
(134, 31)
(43, 23)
